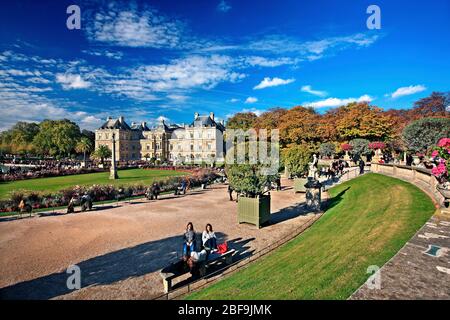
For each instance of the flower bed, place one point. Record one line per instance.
(101, 192)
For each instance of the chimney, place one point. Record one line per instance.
(121, 119)
(196, 116)
(211, 115)
(108, 118)
(143, 124)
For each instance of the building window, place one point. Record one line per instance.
(192, 147)
(209, 146)
(148, 147)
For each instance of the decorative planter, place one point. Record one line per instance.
(254, 210)
(416, 160)
(299, 184)
(445, 192)
(346, 156)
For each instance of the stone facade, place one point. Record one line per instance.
(200, 141)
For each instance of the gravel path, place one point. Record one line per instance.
(120, 248)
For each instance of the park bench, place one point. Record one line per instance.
(177, 269)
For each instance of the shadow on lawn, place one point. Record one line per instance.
(103, 270)
(330, 203)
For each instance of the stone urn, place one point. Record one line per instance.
(444, 190)
(416, 160)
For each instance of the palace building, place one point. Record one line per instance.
(198, 142)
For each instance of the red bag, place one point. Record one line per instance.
(222, 248)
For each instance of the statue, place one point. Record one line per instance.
(313, 167)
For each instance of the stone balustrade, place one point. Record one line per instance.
(420, 177)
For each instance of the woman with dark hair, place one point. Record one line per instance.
(209, 239)
(189, 240)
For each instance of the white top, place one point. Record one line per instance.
(207, 235)
(199, 256)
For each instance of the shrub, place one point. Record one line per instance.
(248, 180)
(99, 192)
(327, 149)
(360, 147)
(421, 134)
(297, 157)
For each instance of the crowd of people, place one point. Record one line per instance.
(335, 169)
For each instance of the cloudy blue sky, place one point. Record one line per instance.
(151, 59)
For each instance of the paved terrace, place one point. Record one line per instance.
(121, 248)
(416, 272)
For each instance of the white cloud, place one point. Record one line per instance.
(269, 62)
(223, 6)
(336, 102)
(117, 55)
(251, 100)
(312, 49)
(130, 26)
(268, 82)
(309, 89)
(406, 91)
(38, 80)
(233, 100)
(177, 97)
(72, 81)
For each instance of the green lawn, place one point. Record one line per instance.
(126, 177)
(368, 221)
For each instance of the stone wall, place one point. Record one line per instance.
(420, 177)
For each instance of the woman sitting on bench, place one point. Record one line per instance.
(189, 244)
(209, 239)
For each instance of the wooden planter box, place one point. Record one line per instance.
(254, 210)
(299, 184)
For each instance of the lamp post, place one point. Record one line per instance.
(113, 171)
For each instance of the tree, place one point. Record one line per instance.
(421, 134)
(242, 120)
(297, 157)
(84, 146)
(360, 120)
(360, 147)
(433, 106)
(327, 149)
(57, 137)
(248, 179)
(101, 153)
(299, 125)
(271, 119)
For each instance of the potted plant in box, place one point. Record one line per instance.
(252, 185)
(296, 160)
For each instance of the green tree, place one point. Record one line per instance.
(101, 153)
(84, 146)
(360, 147)
(242, 120)
(248, 179)
(297, 157)
(57, 137)
(424, 133)
(327, 149)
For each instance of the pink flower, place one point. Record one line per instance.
(434, 154)
(444, 143)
